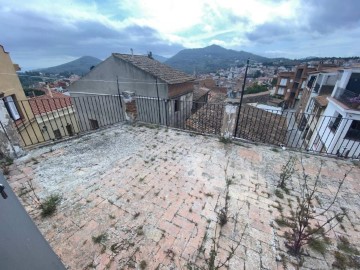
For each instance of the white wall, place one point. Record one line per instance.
(335, 141)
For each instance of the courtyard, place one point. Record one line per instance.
(144, 197)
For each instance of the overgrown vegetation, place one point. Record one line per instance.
(211, 260)
(4, 165)
(224, 140)
(49, 205)
(100, 238)
(286, 173)
(256, 88)
(304, 226)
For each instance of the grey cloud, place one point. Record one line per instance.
(48, 37)
(325, 16)
(269, 32)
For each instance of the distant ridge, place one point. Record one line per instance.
(79, 66)
(210, 59)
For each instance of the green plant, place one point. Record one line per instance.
(345, 246)
(281, 222)
(279, 194)
(49, 205)
(318, 244)
(5, 169)
(224, 140)
(143, 264)
(287, 171)
(340, 260)
(100, 238)
(302, 219)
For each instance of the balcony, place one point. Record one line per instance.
(348, 98)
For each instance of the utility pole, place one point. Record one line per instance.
(241, 97)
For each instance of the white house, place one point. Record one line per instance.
(338, 129)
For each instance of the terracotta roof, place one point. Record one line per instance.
(155, 68)
(322, 100)
(46, 103)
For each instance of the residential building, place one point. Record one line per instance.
(13, 96)
(290, 85)
(338, 129)
(283, 83)
(313, 102)
(153, 84)
(55, 115)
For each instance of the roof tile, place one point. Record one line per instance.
(155, 68)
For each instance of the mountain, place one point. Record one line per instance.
(79, 66)
(210, 59)
(160, 58)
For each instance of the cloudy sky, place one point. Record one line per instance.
(41, 33)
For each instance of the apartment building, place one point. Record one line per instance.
(290, 85)
(336, 127)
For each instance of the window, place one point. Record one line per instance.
(311, 81)
(316, 88)
(334, 123)
(299, 73)
(11, 107)
(281, 91)
(57, 134)
(311, 106)
(283, 82)
(69, 130)
(177, 105)
(303, 84)
(93, 124)
(354, 131)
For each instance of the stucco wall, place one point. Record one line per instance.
(10, 85)
(102, 80)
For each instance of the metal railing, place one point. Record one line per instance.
(49, 119)
(314, 133)
(349, 98)
(44, 120)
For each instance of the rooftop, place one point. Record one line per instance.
(155, 68)
(155, 194)
(49, 102)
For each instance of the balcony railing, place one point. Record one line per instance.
(349, 98)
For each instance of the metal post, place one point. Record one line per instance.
(157, 93)
(241, 97)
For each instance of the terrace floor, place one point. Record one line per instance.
(155, 194)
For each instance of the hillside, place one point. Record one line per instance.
(79, 66)
(160, 58)
(210, 59)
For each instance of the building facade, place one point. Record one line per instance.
(162, 95)
(14, 99)
(338, 128)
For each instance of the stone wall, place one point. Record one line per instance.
(9, 140)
